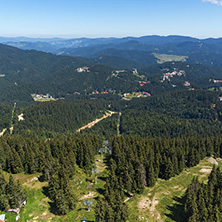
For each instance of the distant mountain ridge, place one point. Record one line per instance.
(137, 50)
(59, 43)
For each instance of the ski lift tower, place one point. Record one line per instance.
(102, 151)
(95, 171)
(88, 203)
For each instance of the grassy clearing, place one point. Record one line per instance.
(45, 99)
(140, 76)
(38, 207)
(163, 202)
(133, 95)
(169, 58)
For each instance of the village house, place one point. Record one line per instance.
(142, 83)
(217, 81)
(186, 83)
(169, 75)
(181, 72)
(41, 96)
(135, 71)
(95, 92)
(126, 94)
(146, 94)
(83, 69)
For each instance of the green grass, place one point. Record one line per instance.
(163, 202)
(140, 76)
(162, 58)
(38, 204)
(159, 203)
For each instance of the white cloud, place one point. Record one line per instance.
(216, 2)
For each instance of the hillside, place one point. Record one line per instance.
(56, 118)
(197, 52)
(31, 66)
(26, 72)
(135, 49)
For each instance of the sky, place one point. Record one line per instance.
(110, 18)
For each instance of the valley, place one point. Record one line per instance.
(115, 129)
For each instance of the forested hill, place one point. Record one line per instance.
(139, 50)
(56, 118)
(19, 66)
(174, 114)
(206, 52)
(26, 72)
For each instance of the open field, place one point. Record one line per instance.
(162, 58)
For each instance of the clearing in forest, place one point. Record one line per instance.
(163, 202)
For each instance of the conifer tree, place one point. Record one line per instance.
(3, 194)
(11, 191)
(150, 178)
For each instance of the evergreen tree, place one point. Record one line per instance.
(12, 193)
(3, 195)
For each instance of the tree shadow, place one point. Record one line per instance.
(45, 191)
(41, 178)
(100, 190)
(102, 178)
(52, 208)
(177, 210)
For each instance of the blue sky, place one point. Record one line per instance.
(110, 18)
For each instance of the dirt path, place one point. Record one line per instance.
(128, 198)
(89, 125)
(2, 133)
(145, 204)
(118, 125)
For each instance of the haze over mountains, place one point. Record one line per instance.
(139, 50)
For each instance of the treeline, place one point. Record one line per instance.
(138, 162)
(55, 118)
(203, 202)
(55, 158)
(11, 193)
(19, 153)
